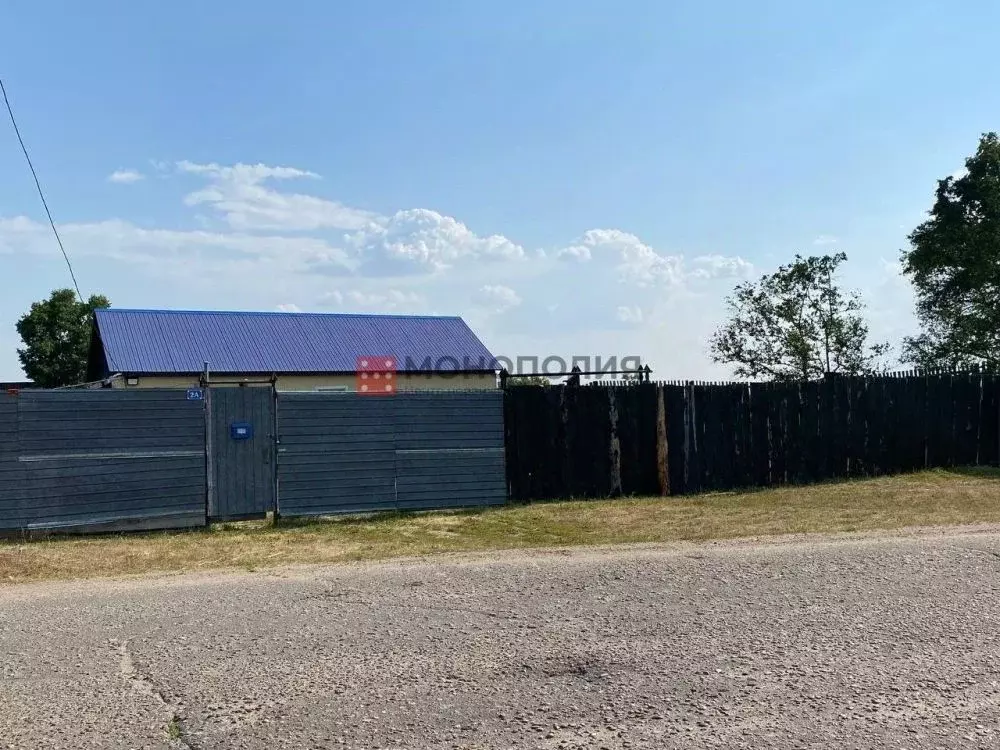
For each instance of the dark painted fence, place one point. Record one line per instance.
(584, 441)
(101, 459)
(87, 460)
(130, 459)
(345, 453)
(656, 438)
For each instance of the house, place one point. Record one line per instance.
(296, 351)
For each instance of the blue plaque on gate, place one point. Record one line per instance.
(195, 394)
(241, 430)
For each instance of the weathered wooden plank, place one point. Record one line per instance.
(663, 455)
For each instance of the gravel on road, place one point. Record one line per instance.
(848, 642)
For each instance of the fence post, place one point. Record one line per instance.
(615, 448)
(275, 447)
(662, 447)
(210, 499)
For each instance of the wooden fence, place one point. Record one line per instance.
(663, 439)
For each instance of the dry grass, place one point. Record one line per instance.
(934, 498)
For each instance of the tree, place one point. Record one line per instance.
(528, 380)
(954, 265)
(56, 335)
(796, 324)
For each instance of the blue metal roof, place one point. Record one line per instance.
(175, 341)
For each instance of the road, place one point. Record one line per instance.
(807, 643)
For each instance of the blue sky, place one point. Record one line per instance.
(572, 177)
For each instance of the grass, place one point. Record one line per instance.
(174, 729)
(934, 498)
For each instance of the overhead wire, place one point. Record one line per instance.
(38, 186)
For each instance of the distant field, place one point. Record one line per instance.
(933, 498)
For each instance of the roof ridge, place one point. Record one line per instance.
(273, 313)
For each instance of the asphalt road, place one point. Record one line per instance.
(865, 642)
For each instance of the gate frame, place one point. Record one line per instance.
(271, 437)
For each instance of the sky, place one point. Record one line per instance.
(574, 178)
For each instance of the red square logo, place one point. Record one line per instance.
(375, 375)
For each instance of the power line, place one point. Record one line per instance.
(38, 185)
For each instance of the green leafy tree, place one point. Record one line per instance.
(796, 324)
(527, 380)
(56, 334)
(954, 265)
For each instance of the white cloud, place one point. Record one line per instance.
(579, 253)
(721, 267)
(638, 262)
(410, 241)
(626, 314)
(826, 239)
(498, 298)
(244, 173)
(423, 240)
(192, 251)
(388, 300)
(125, 176)
(642, 265)
(288, 307)
(239, 194)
